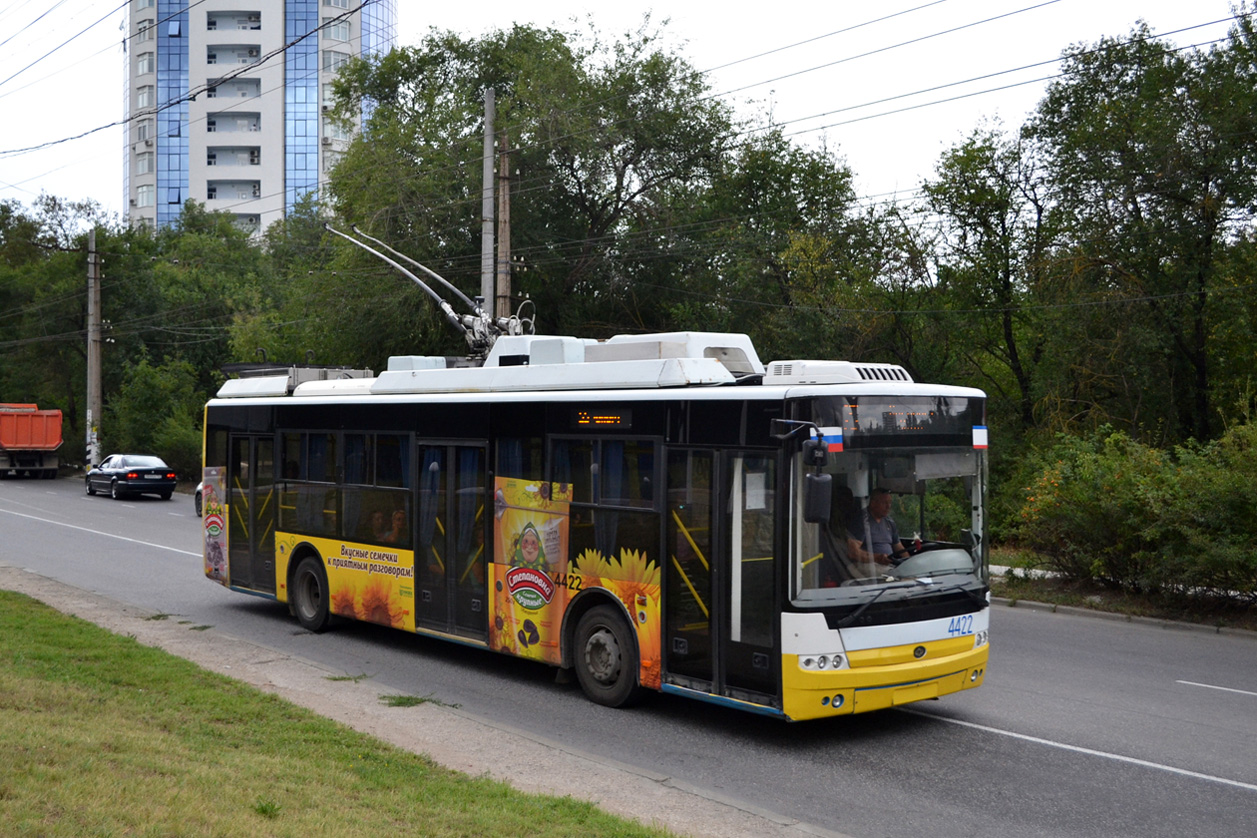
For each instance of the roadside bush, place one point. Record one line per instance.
(1109, 509)
(1208, 537)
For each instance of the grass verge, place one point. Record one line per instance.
(106, 737)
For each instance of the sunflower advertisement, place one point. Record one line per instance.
(529, 561)
(532, 578)
(372, 584)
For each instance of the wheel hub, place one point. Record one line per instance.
(602, 656)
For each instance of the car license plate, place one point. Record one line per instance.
(152, 477)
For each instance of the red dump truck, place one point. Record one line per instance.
(29, 439)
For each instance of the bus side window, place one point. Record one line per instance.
(292, 450)
(392, 461)
(520, 457)
(572, 463)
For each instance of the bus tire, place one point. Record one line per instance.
(606, 657)
(310, 596)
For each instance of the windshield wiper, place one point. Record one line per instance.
(969, 592)
(854, 615)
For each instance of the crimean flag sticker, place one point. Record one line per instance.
(979, 436)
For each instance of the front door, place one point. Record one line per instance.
(251, 512)
(450, 560)
(721, 621)
(750, 640)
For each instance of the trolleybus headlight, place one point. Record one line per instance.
(980, 639)
(820, 662)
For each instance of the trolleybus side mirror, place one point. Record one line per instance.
(815, 452)
(818, 490)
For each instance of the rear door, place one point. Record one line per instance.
(251, 512)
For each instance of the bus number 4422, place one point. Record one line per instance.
(960, 625)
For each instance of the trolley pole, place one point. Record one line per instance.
(94, 409)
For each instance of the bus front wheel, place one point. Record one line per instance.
(606, 657)
(310, 598)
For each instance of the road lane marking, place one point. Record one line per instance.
(1214, 687)
(99, 532)
(1143, 763)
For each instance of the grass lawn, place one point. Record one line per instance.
(106, 737)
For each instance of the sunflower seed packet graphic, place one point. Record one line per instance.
(530, 533)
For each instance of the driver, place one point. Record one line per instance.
(880, 532)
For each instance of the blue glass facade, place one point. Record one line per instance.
(168, 114)
(379, 33)
(172, 110)
(301, 102)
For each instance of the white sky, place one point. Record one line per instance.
(781, 51)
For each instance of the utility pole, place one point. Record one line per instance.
(94, 409)
(486, 203)
(503, 308)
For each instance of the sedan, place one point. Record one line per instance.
(132, 474)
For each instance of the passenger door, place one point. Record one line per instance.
(251, 512)
(721, 613)
(450, 561)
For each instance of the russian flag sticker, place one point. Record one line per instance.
(833, 439)
(979, 436)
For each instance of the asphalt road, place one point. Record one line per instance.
(1084, 727)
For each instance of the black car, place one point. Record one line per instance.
(132, 474)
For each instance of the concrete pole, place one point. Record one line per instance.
(503, 308)
(486, 204)
(94, 400)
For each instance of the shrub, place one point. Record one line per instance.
(1110, 509)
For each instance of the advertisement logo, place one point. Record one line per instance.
(214, 524)
(532, 589)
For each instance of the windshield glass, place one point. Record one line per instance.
(894, 514)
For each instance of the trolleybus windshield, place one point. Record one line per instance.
(907, 480)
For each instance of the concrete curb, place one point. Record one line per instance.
(1077, 611)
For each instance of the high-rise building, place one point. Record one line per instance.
(227, 101)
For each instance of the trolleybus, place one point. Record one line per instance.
(656, 512)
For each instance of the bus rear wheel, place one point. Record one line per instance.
(310, 597)
(606, 657)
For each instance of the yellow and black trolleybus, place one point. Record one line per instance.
(656, 512)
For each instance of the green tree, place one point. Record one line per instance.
(1150, 154)
(599, 134)
(995, 236)
(157, 409)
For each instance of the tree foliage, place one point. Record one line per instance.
(1149, 151)
(1091, 269)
